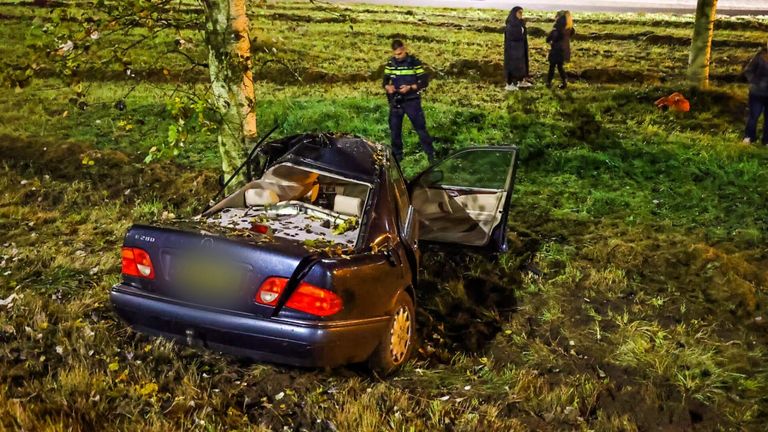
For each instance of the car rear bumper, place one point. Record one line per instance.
(272, 340)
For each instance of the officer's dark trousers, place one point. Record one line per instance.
(412, 109)
(757, 105)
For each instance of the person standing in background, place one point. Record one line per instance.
(559, 40)
(516, 63)
(757, 75)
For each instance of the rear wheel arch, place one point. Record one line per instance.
(411, 291)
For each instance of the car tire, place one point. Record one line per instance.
(399, 339)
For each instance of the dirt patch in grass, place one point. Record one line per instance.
(729, 78)
(479, 28)
(727, 281)
(317, 76)
(191, 75)
(618, 76)
(451, 324)
(672, 412)
(534, 32)
(493, 72)
(662, 39)
(596, 37)
(291, 17)
(120, 176)
(479, 70)
(413, 38)
(729, 107)
(722, 24)
(463, 299)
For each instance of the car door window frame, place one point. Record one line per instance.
(402, 199)
(494, 245)
(432, 168)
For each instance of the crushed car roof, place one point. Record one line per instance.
(349, 156)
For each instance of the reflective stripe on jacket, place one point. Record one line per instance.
(407, 72)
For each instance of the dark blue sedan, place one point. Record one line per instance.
(314, 260)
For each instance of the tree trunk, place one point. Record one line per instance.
(701, 43)
(229, 59)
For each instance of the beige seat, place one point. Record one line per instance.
(347, 205)
(260, 197)
(468, 219)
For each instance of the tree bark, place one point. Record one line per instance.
(701, 43)
(229, 59)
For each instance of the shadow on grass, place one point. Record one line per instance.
(113, 172)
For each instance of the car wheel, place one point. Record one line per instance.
(399, 340)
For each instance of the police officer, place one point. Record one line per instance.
(404, 79)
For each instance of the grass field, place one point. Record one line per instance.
(633, 296)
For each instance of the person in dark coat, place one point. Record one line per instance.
(404, 79)
(516, 66)
(757, 75)
(559, 40)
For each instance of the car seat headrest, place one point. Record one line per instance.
(347, 205)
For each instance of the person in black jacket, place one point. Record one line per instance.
(559, 40)
(757, 75)
(404, 79)
(516, 65)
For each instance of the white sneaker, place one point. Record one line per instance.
(524, 84)
(747, 141)
(510, 87)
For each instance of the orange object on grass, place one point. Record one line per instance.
(674, 102)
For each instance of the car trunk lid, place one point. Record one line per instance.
(192, 265)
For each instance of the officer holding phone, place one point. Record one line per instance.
(404, 79)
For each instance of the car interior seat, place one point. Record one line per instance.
(260, 197)
(347, 205)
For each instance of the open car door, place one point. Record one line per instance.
(463, 200)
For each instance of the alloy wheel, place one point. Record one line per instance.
(400, 335)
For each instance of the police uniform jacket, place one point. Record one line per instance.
(409, 71)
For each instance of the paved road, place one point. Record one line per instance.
(724, 7)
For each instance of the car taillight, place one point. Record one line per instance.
(270, 291)
(313, 300)
(307, 297)
(136, 263)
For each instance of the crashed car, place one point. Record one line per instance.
(315, 260)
